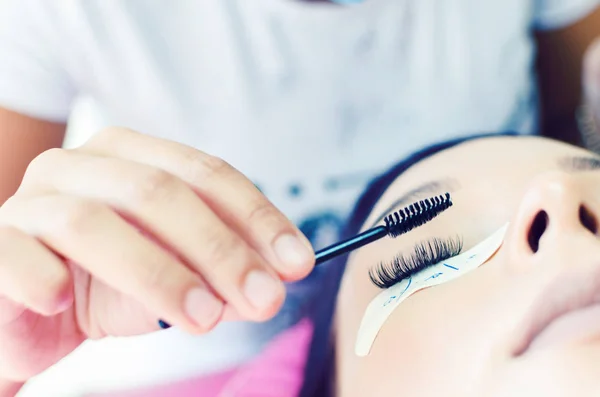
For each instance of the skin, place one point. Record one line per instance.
(107, 238)
(23, 139)
(462, 338)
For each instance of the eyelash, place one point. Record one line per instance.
(425, 254)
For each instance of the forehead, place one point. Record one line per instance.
(485, 162)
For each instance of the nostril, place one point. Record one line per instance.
(537, 229)
(587, 219)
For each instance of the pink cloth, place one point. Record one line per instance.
(277, 372)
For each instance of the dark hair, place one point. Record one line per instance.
(320, 365)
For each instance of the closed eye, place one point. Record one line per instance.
(425, 254)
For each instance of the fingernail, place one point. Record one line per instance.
(291, 251)
(202, 307)
(261, 289)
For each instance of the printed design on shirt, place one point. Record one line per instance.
(322, 226)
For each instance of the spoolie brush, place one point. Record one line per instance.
(396, 224)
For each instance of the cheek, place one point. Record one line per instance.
(414, 353)
(429, 338)
(439, 339)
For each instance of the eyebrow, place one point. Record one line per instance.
(579, 163)
(429, 188)
(439, 186)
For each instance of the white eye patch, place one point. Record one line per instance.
(384, 304)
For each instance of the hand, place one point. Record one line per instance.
(107, 238)
(591, 82)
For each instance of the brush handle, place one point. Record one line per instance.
(350, 244)
(336, 250)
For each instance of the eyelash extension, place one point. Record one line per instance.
(396, 224)
(424, 255)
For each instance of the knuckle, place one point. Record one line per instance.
(157, 276)
(77, 215)
(226, 255)
(263, 213)
(9, 211)
(7, 233)
(155, 185)
(9, 236)
(45, 160)
(207, 166)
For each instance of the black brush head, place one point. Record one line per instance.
(416, 214)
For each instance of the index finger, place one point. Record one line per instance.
(231, 195)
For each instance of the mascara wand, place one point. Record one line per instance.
(396, 224)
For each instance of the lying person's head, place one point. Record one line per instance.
(525, 322)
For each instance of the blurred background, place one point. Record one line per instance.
(353, 88)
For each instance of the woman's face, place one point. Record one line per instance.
(527, 322)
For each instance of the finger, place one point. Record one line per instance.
(32, 275)
(227, 191)
(170, 210)
(110, 249)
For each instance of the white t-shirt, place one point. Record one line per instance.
(309, 100)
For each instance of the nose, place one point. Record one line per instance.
(555, 208)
